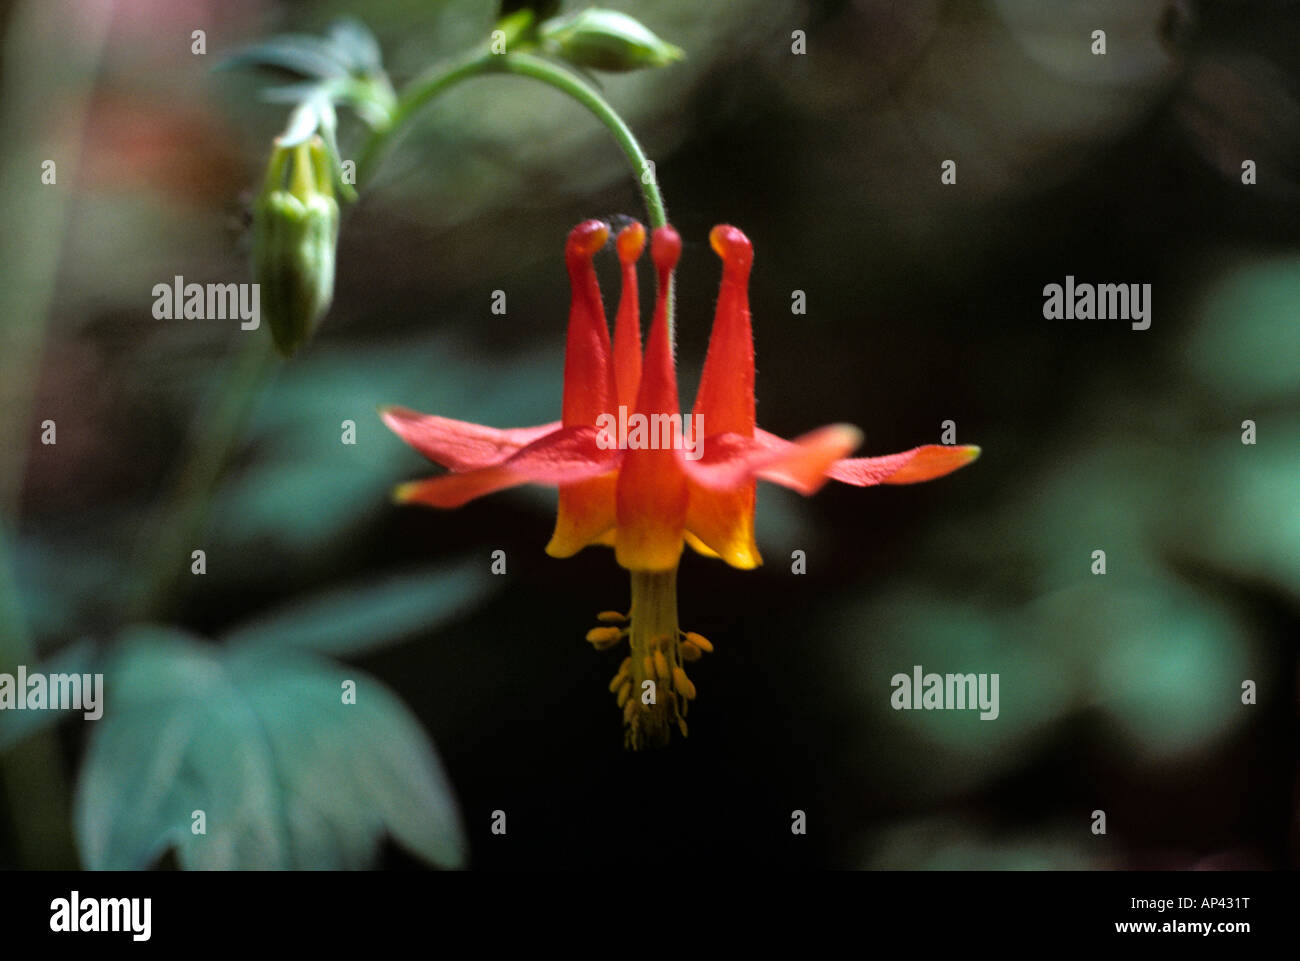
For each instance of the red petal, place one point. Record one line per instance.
(457, 444)
(801, 464)
(726, 395)
(585, 516)
(722, 522)
(909, 467)
(652, 493)
(627, 326)
(568, 455)
(588, 373)
(589, 389)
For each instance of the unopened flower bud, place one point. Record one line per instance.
(607, 40)
(295, 236)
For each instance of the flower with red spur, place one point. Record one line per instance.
(656, 487)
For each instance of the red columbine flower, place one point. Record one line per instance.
(635, 474)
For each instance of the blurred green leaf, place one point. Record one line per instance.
(927, 755)
(363, 617)
(64, 584)
(299, 54)
(287, 775)
(356, 46)
(78, 657)
(1243, 516)
(1172, 673)
(1246, 342)
(302, 489)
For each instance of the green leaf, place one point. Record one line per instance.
(356, 46)
(300, 92)
(300, 54)
(78, 657)
(1244, 340)
(286, 774)
(296, 494)
(349, 49)
(366, 616)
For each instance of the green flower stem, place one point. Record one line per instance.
(526, 65)
(422, 90)
(419, 92)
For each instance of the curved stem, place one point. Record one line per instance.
(416, 95)
(566, 82)
(421, 91)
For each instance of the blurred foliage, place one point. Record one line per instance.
(356, 619)
(284, 770)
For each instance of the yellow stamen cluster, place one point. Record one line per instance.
(651, 686)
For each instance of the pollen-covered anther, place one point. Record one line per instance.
(623, 675)
(683, 684)
(624, 693)
(661, 666)
(603, 638)
(698, 640)
(611, 617)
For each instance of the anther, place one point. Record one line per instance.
(700, 641)
(683, 684)
(661, 665)
(603, 638)
(611, 617)
(619, 678)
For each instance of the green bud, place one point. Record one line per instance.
(607, 40)
(295, 236)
